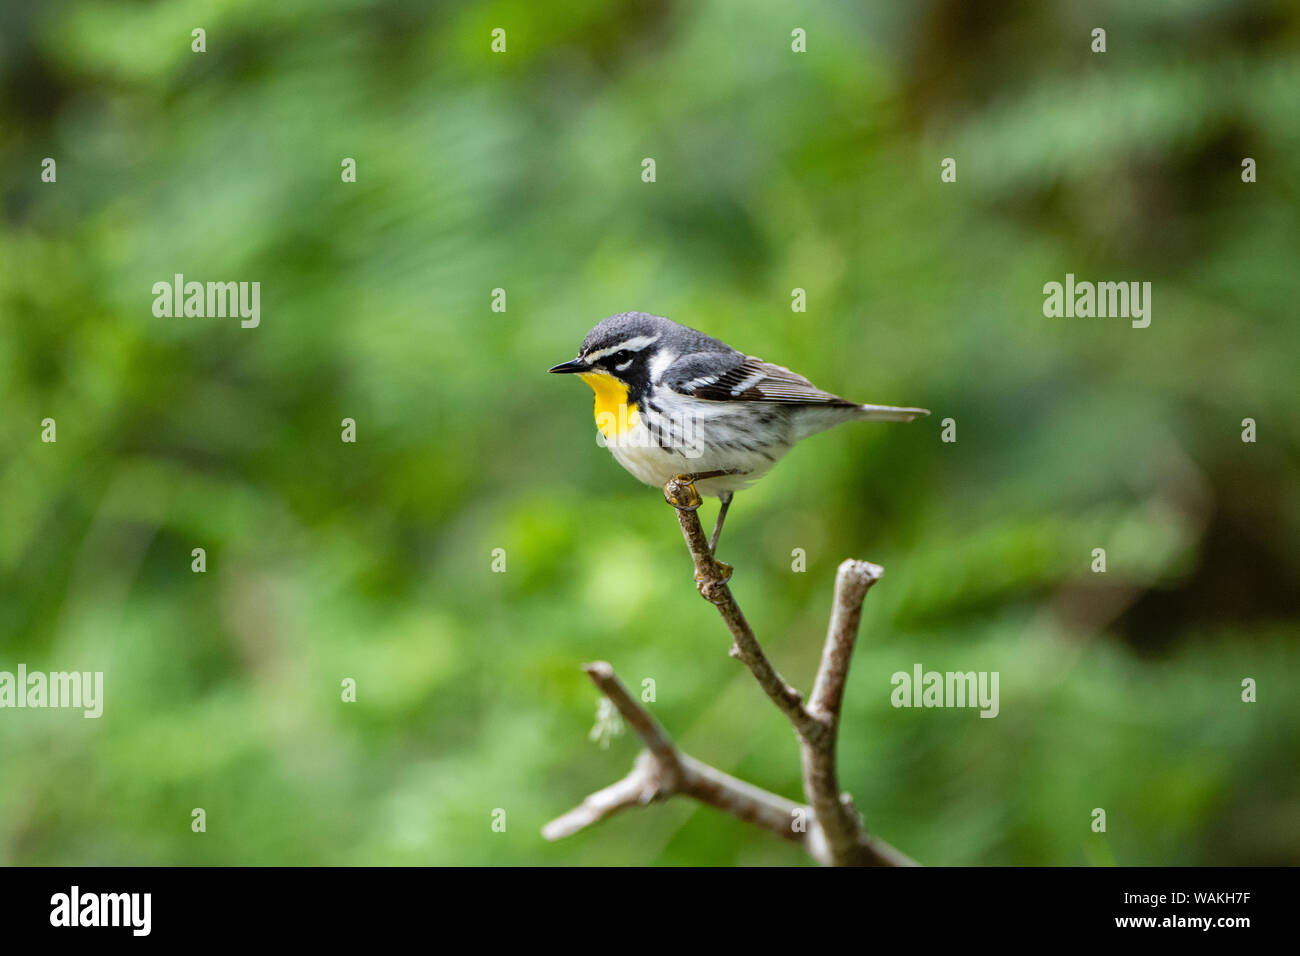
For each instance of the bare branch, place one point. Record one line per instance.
(830, 829)
(637, 789)
(847, 841)
(744, 801)
(852, 581)
(663, 771)
(644, 725)
(817, 724)
(711, 578)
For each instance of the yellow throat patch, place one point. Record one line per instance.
(614, 416)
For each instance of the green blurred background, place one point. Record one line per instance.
(776, 170)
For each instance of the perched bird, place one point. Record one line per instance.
(673, 401)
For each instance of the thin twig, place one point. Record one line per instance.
(847, 840)
(711, 578)
(662, 771)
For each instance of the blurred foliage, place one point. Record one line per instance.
(522, 171)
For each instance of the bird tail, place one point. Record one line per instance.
(889, 413)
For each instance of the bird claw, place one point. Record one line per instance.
(711, 585)
(679, 491)
(722, 571)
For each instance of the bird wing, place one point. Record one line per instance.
(736, 377)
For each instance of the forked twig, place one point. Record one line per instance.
(828, 827)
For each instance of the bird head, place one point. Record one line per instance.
(623, 348)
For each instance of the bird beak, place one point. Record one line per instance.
(576, 365)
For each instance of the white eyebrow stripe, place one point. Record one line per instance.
(634, 344)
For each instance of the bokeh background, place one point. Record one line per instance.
(775, 170)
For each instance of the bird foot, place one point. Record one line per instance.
(679, 491)
(712, 584)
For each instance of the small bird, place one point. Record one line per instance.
(673, 401)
